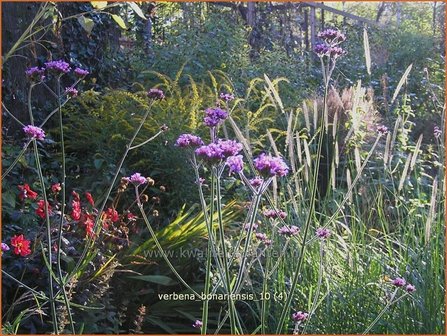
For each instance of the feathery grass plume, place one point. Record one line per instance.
(416, 152)
(404, 172)
(306, 116)
(432, 211)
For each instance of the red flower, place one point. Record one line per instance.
(112, 214)
(75, 210)
(90, 199)
(40, 211)
(75, 196)
(56, 188)
(89, 222)
(131, 217)
(26, 192)
(21, 245)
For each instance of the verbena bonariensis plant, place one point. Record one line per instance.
(52, 208)
(231, 264)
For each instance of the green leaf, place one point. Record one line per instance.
(119, 20)
(99, 4)
(86, 23)
(137, 10)
(157, 279)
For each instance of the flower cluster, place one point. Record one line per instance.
(400, 282)
(289, 231)
(226, 96)
(58, 67)
(188, 140)
(21, 245)
(35, 74)
(382, 129)
(223, 149)
(269, 166)
(263, 238)
(331, 38)
(80, 72)
(235, 163)
(71, 92)
(299, 316)
(40, 211)
(272, 213)
(5, 247)
(34, 132)
(137, 180)
(197, 324)
(26, 192)
(213, 116)
(323, 233)
(156, 94)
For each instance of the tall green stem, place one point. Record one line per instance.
(109, 191)
(231, 306)
(49, 247)
(286, 308)
(63, 200)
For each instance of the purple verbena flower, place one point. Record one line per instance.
(58, 67)
(299, 316)
(137, 179)
(332, 36)
(289, 231)
(335, 52)
(5, 247)
(399, 282)
(80, 72)
(213, 116)
(437, 132)
(382, 129)
(322, 49)
(226, 96)
(235, 163)
(156, 94)
(34, 132)
(261, 236)
(35, 74)
(188, 140)
(269, 166)
(229, 147)
(211, 153)
(71, 91)
(197, 324)
(323, 233)
(410, 288)
(272, 213)
(247, 226)
(256, 182)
